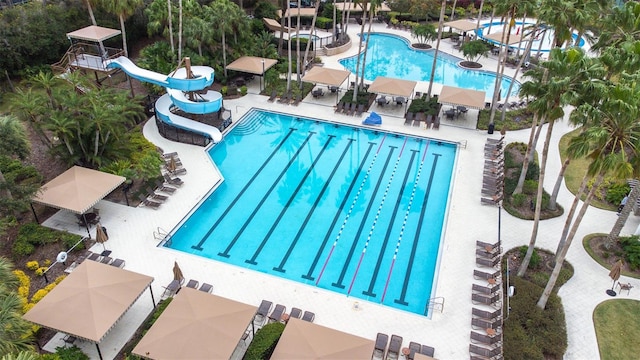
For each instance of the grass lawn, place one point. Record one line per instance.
(617, 324)
(575, 172)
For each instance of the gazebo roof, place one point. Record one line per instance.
(462, 24)
(252, 64)
(90, 301)
(513, 38)
(77, 189)
(393, 86)
(93, 33)
(457, 96)
(327, 76)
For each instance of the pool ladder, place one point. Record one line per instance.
(436, 303)
(160, 234)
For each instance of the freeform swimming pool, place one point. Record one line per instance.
(391, 56)
(351, 210)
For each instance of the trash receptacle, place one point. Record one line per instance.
(491, 128)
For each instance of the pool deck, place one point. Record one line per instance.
(132, 238)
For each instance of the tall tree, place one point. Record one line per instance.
(443, 6)
(614, 139)
(14, 144)
(123, 9)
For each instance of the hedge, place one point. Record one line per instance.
(264, 342)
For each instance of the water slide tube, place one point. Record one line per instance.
(176, 85)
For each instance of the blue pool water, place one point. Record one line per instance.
(350, 210)
(391, 56)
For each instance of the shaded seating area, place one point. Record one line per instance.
(89, 302)
(306, 340)
(181, 333)
(333, 78)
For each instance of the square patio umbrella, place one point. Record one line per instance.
(101, 235)
(614, 274)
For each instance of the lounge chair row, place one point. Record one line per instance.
(285, 99)
(483, 353)
(350, 109)
(195, 284)
(429, 121)
(493, 175)
(150, 197)
(392, 352)
(105, 259)
(173, 164)
(264, 312)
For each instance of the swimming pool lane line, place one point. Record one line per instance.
(285, 258)
(375, 219)
(354, 242)
(414, 247)
(308, 275)
(225, 253)
(374, 277)
(232, 204)
(292, 197)
(404, 224)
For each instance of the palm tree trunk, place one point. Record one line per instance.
(435, 55)
(366, 45)
(173, 47)
(288, 52)
(536, 216)
(502, 59)
(313, 27)
(534, 135)
(93, 18)
(298, 60)
(493, 14)
(124, 36)
(224, 52)
(480, 14)
(355, 88)
(453, 10)
(542, 302)
(553, 201)
(567, 224)
(180, 35)
(623, 216)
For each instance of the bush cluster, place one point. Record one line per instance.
(532, 333)
(264, 342)
(534, 263)
(32, 234)
(631, 247)
(616, 192)
(429, 107)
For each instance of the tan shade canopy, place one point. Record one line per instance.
(93, 33)
(308, 12)
(77, 189)
(462, 25)
(89, 302)
(252, 64)
(497, 37)
(196, 325)
(321, 75)
(274, 25)
(305, 340)
(456, 96)
(392, 86)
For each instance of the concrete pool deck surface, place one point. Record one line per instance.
(132, 238)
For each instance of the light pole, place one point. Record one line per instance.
(262, 80)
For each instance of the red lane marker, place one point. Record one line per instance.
(388, 278)
(381, 142)
(325, 263)
(425, 150)
(356, 273)
(402, 148)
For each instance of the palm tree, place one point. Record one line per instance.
(14, 143)
(90, 8)
(360, 41)
(27, 105)
(373, 5)
(16, 332)
(123, 9)
(159, 16)
(306, 50)
(566, 72)
(443, 6)
(614, 139)
(222, 13)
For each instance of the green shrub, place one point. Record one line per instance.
(526, 320)
(530, 187)
(243, 90)
(22, 248)
(533, 171)
(616, 192)
(535, 257)
(264, 342)
(323, 22)
(71, 353)
(518, 199)
(631, 247)
(224, 90)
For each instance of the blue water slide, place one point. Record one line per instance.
(176, 84)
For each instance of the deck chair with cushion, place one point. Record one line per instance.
(93, 256)
(414, 348)
(208, 288)
(277, 313)
(106, 260)
(263, 311)
(308, 316)
(484, 352)
(478, 274)
(486, 300)
(436, 122)
(484, 339)
(486, 245)
(360, 110)
(486, 315)
(427, 350)
(487, 290)
(193, 284)
(394, 347)
(119, 263)
(482, 324)
(161, 187)
(381, 346)
(481, 261)
(408, 118)
(295, 313)
(157, 197)
(148, 202)
(173, 181)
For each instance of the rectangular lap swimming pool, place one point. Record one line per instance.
(351, 210)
